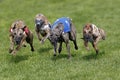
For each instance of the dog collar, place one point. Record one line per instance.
(26, 30)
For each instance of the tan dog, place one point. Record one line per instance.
(19, 32)
(42, 27)
(92, 34)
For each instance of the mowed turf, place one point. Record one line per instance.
(41, 65)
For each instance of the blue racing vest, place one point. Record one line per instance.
(65, 21)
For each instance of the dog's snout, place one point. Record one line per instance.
(87, 37)
(39, 22)
(18, 40)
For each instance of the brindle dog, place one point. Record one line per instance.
(59, 35)
(19, 32)
(42, 27)
(92, 34)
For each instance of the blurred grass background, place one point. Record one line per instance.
(41, 65)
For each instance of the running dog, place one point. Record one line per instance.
(63, 30)
(42, 27)
(19, 33)
(91, 33)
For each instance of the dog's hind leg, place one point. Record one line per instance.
(60, 47)
(31, 45)
(38, 35)
(75, 44)
(29, 40)
(73, 38)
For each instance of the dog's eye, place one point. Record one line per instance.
(90, 31)
(20, 33)
(51, 35)
(14, 33)
(84, 32)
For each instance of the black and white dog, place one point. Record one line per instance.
(63, 30)
(42, 27)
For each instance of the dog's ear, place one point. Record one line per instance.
(91, 28)
(14, 26)
(25, 29)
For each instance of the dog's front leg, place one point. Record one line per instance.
(38, 35)
(86, 45)
(94, 44)
(73, 38)
(95, 47)
(44, 38)
(60, 47)
(55, 48)
(19, 46)
(11, 44)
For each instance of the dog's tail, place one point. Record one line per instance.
(103, 35)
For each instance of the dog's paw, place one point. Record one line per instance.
(103, 37)
(32, 49)
(42, 41)
(54, 55)
(76, 47)
(13, 53)
(24, 45)
(69, 57)
(88, 48)
(97, 51)
(59, 50)
(10, 50)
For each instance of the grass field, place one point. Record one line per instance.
(41, 65)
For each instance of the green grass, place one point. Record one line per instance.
(41, 65)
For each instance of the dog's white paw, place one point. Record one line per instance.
(42, 41)
(13, 53)
(88, 48)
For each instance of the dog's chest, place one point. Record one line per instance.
(43, 32)
(43, 29)
(60, 39)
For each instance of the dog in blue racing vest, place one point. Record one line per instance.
(91, 33)
(63, 30)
